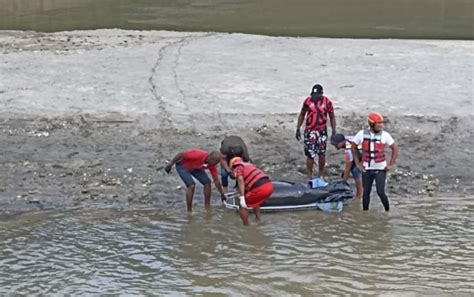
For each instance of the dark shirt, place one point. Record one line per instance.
(234, 146)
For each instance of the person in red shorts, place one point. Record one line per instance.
(191, 164)
(254, 187)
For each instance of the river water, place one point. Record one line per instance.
(423, 246)
(441, 19)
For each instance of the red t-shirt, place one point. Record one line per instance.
(317, 113)
(196, 159)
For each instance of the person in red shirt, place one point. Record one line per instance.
(254, 187)
(191, 164)
(316, 109)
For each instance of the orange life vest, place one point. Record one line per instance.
(378, 153)
(251, 175)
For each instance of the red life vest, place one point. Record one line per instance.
(378, 153)
(316, 118)
(251, 175)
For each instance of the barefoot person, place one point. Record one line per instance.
(191, 164)
(254, 187)
(316, 109)
(342, 142)
(231, 146)
(374, 166)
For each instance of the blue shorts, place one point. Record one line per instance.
(187, 176)
(356, 172)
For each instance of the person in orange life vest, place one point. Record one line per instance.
(345, 142)
(374, 165)
(316, 109)
(192, 163)
(254, 187)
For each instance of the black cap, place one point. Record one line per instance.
(337, 138)
(317, 89)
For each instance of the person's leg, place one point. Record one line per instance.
(359, 188)
(380, 178)
(244, 215)
(309, 168)
(321, 165)
(224, 179)
(358, 182)
(367, 181)
(203, 178)
(321, 142)
(189, 197)
(256, 211)
(187, 178)
(256, 197)
(309, 151)
(207, 195)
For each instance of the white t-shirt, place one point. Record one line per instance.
(385, 139)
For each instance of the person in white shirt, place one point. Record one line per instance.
(374, 165)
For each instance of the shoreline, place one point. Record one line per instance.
(78, 162)
(90, 117)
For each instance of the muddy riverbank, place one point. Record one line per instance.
(90, 118)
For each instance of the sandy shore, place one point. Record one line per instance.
(90, 117)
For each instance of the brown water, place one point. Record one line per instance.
(424, 246)
(441, 19)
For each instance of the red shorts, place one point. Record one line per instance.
(259, 195)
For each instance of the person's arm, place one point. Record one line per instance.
(176, 159)
(347, 171)
(358, 139)
(215, 178)
(245, 153)
(226, 166)
(357, 160)
(299, 123)
(218, 185)
(393, 159)
(241, 187)
(332, 117)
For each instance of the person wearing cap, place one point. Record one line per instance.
(316, 109)
(374, 165)
(192, 163)
(231, 146)
(254, 187)
(342, 142)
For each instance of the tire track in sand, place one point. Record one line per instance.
(166, 119)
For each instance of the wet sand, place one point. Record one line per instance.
(89, 118)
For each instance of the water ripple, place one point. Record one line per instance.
(424, 246)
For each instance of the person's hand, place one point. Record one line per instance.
(298, 134)
(389, 167)
(223, 197)
(168, 168)
(232, 175)
(242, 202)
(361, 168)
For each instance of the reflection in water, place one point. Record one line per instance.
(423, 246)
(442, 19)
